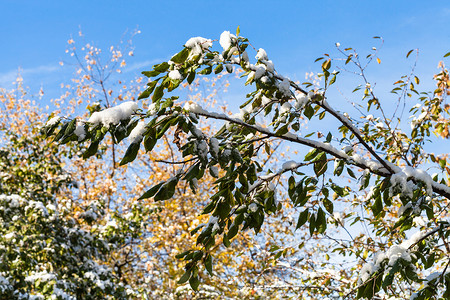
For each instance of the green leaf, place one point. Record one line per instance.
(159, 92)
(194, 282)
(390, 276)
(61, 132)
(349, 58)
(448, 54)
(321, 221)
(191, 77)
(148, 91)
(311, 154)
(218, 69)
(167, 190)
(162, 67)
(312, 224)
(208, 264)
(328, 205)
(350, 172)
(70, 127)
(302, 218)
(339, 167)
(192, 172)
(206, 71)
(183, 254)
(320, 166)
(226, 241)
(409, 53)
(130, 154)
(232, 231)
(209, 208)
(149, 143)
(377, 207)
(151, 73)
(223, 209)
(309, 111)
(332, 80)
(92, 150)
(326, 64)
(282, 130)
(151, 192)
(185, 277)
(181, 56)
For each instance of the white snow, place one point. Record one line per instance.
(214, 143)
(37, 205)
(137, 132)
(370, 118)
(290, 135)
(198, 45)
(196, 41)
(214, 171)
(396, 252)
(379, 125)
(113, 115)
(403, 208)
(175, 75)
(226, 153)
(260, 71)
(265, 100)
(261, 55)
(42, 276)
(419, 221)
(269, 65)
(9, 236)
(416, 237)
(253, 207)
(285, 107)
(401, 179)
(202, 149)
(245, 56)
(53, 121)
(226, 40)
(301, 100)
(289, 165)
(152, 109)
(284, 87)
(79, 131)
(193, 107)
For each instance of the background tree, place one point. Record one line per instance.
(44, 252)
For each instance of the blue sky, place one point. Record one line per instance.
(294, 33)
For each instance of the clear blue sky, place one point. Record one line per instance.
(34, 33)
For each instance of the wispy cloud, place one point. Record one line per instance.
(140, 65)
(9, 77)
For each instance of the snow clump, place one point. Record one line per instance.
(113, 115)
(226, 40)
(137, 132)
(175, 75)
(284, 87)
(79, 131)
(261, 55)
(198, 45)
(53, 121)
